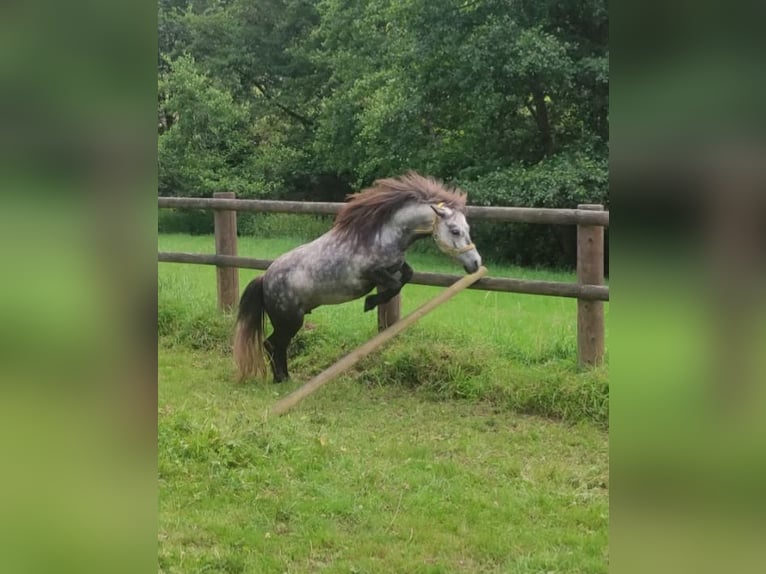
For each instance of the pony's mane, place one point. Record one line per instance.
(366, 212)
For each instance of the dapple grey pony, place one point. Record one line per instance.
(364, 249)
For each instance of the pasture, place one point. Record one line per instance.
(471, 443)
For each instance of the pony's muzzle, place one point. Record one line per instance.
(472, 267)
(471, 261)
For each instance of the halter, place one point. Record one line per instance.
(443, 245)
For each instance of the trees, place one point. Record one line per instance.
(313, 98)
(208, 144)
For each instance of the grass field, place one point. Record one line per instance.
(428, 457)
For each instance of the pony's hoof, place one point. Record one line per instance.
(370, 303)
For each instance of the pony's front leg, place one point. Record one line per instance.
(388, 285)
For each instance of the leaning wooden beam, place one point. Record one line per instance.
(288, 402)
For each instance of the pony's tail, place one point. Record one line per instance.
(249, 353)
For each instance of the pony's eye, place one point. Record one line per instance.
(455, 232)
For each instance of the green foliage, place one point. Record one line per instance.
(191, 221)
(297, 226)
(207, 147)
(564, 180)
(310, 99)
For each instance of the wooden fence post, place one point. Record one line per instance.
(225, 222)
(389, 313)
(590, 271)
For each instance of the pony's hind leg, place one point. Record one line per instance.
(286, 325)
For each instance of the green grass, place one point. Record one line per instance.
(517, 351)
(424, 458)
(369, 478)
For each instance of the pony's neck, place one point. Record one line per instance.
(412, 222)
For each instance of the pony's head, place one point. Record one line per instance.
(452, 235)
(415, 206)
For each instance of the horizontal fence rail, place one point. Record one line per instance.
(505, 214)
(505, 284)
(590, 291)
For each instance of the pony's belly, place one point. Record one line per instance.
(334, 294)
(335, 297)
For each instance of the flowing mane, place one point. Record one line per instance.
(366, 212)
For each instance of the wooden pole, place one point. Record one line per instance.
(501, 284)
(389, 313)
(225, 223)
(590, 271)
(288, 402)
(474, 212)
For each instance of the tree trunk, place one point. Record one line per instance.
(543, 122)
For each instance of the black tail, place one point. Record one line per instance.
(249, 352)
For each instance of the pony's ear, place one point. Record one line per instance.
(441, 210)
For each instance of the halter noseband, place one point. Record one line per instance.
(443, 245)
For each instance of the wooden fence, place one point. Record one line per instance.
(590, 291)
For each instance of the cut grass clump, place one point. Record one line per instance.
(439, 370)
(187, 315)
(195, 328)
(555, 390)
(442, 370)
(436, 367)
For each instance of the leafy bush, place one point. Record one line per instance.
(191, 221)
(306, 227)
(208, 145)
(200, 222)
(561, 181)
